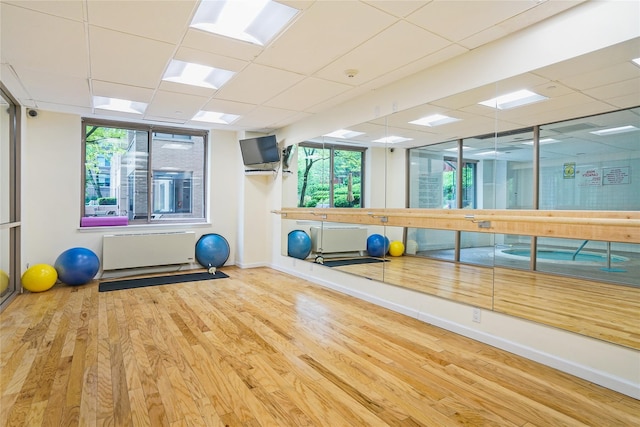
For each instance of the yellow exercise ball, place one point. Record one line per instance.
(396, 248)
(4, 281)
(39, 278)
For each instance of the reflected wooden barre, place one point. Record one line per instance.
(615, 226)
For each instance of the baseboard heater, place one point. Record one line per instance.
(121, 251)
(327, 240)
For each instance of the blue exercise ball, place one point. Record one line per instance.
(77, 266)
(298, 244)
(212, 250)
(377, 245)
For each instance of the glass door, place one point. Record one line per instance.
(9, 214)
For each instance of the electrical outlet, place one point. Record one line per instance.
(476, 315)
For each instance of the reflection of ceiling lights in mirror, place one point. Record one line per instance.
(196, 74)
(213, 117)
(344, 133)
(613, 131)
(542, 141)
(434, 120)
(256, 21)
(392, 139)
(513, 99)
(115, 104)
(464, 148)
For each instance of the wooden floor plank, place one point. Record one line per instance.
(263, 348)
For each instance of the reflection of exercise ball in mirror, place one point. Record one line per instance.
(4, 281)
(377, 245)
(396, 248)
(298, 244)
(39, 278)
(412, 247)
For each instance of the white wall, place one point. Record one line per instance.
(52, 191)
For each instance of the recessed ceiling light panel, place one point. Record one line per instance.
(513, 99)
(344, 134)
(613, 131)
(392, 139)
(196, 74)
(213, 117)
(116, 104)
(434, 120)
(253, 21)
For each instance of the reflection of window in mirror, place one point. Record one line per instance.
(330, 175)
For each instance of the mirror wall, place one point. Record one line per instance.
(566, 152)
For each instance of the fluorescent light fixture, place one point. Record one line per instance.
(636, 61)
(253, 21)
(487, 153)
(543, 141)
(513, 99)
(393, 139)
(613, 131)
(344, 134)
(196, 74)
(464, 147)
(213, 117)
(434, 120)
(115, 104)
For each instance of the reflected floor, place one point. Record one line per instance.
(625, 272)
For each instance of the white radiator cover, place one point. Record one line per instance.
(327, 240)
(145, 250)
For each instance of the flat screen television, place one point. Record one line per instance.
(260, 150)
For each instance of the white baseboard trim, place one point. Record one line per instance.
(604, 379)
(253, 265)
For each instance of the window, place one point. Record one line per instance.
(135, 174)
(330, 176)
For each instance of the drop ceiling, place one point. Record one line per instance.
(57, 55)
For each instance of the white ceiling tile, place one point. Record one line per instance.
(56, 88)
(625, 101)
(137, 61)
(325, 32)
(604, 76)
(616, 90)
(224, 46)
(264, 115)
(38, 41)
(593, 61)
(186, 89)
(307, 93)
(143, 18)
(115, 90)
(457, 20)
(9, 77)
(62, 108)
(399, 8)
(179, 106)
(403, 43)
(228, 107)
(70, 9)
(210, 59)
(257, 84)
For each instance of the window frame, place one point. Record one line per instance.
(150, 129)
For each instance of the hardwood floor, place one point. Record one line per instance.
(263, 348)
